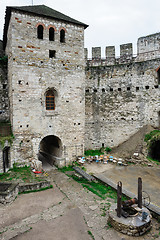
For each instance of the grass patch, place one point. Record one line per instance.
(109, 225)
(91, 152)
(107, 149)
(90, 233)
(105, 208)
(4, 139)
(37, 190)
(98, 152)
(19, 174)
(70, 167)
(151, 134)
(153, 160)
(66, 169)
(99, 188)
(130, 163)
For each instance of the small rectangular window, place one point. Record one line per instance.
(4, 86)
(52, 53)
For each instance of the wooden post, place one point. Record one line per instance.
(140, 192)
(119, 199)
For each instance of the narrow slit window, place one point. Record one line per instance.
(62, 36)
(51, 34)
(40, 32)
(158, 75)
(50, 101)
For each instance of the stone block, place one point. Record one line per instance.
(36, 164)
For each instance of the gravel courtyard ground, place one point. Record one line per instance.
(66, 212)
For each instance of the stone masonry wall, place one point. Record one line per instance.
(115, 98)
(120, 99)
(31, 73)
(148, 47)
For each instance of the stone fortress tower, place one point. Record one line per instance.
(58, 101)
(46, 82)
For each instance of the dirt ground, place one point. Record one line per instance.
(66, 212)
(127, 148)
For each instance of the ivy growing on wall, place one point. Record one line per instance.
(7, 137)
(153, 140)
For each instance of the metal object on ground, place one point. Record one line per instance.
(130, 217)
(145, 199)
(144, 216)
(129, 202)
(125, 208)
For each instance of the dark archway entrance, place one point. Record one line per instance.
(6, 152)
(50, 150)
(155, 150)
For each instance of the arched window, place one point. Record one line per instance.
(40, 32)
(62, 36)
(50, 100)
(51, 34)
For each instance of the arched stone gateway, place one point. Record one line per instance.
(50, 151)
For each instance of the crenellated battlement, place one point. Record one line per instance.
(148, 48)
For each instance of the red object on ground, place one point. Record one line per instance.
(37, 172)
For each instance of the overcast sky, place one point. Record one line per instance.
(111, 22)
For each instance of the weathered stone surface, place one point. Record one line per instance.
(133, 225)
(31, 72)
(122, 94)
(120, 100)
(36, 164)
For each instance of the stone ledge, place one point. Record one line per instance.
(9, 193)
(33, 186)
(11, 190)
